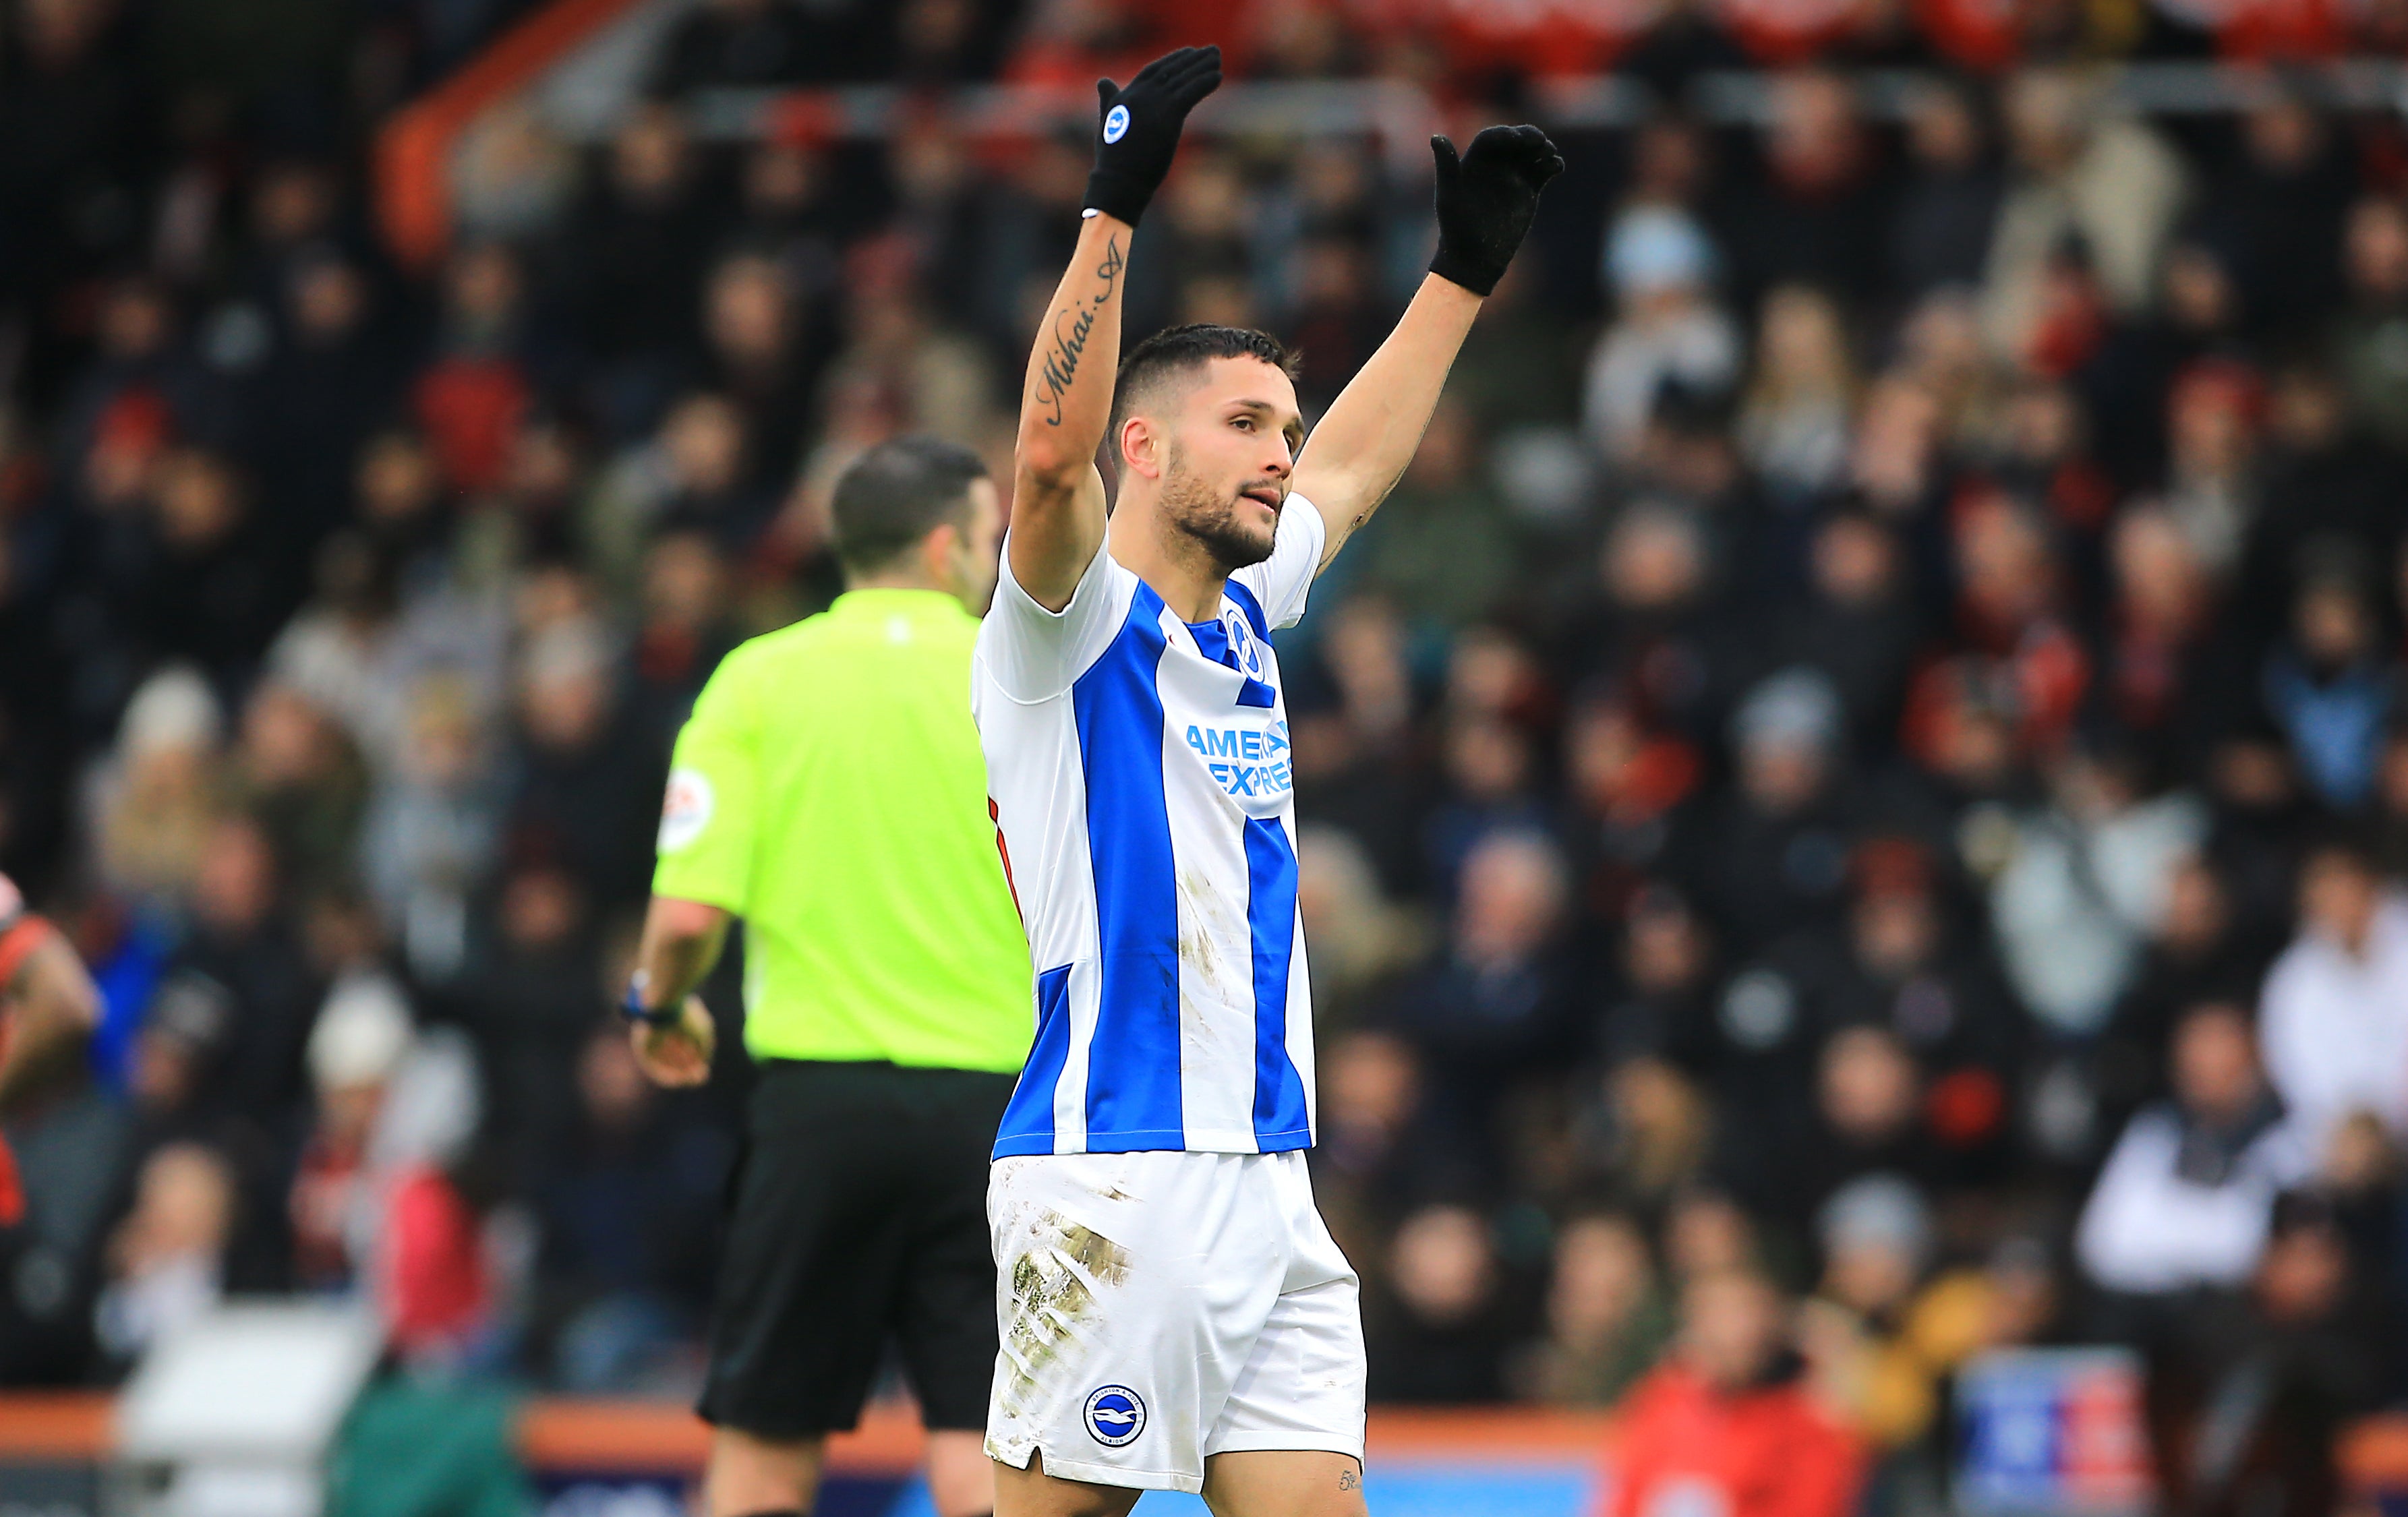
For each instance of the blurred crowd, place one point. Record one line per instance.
(1854, 800)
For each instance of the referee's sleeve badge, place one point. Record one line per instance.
(686, 810)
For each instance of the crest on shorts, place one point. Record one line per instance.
(1115, 1415)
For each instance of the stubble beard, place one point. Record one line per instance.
(1210, 519)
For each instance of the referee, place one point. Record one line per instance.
(829, 790)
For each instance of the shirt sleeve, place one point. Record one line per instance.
(1282, 581)
(709, 813)
(1034, 655)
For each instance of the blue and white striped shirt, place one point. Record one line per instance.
(1140, 774)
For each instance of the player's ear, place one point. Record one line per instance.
(1141, 447)
(939, 550)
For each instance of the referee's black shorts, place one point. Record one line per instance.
(859, 1219)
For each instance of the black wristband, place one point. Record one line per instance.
(634, 1007)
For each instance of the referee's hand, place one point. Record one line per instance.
(680, 1054)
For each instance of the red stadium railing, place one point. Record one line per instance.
(413, 151)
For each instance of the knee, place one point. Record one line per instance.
(751, 1474)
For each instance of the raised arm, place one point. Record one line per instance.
(1362, 444)
(1057, 498)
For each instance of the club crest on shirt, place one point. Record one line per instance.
(1242, 643)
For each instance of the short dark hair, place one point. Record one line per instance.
(896, 493)
(1179, 349)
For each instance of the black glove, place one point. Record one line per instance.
(1138, 129)
(1485, 201)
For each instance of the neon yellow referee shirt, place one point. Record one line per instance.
(829, 790)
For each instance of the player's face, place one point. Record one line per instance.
(1233, 444)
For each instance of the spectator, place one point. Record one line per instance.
(2199, 952)
(302, 781)
(1726, 1419)
(362, 1036)
(241, 941)
(317, 395)
(2329, 687)
(1814, 215)
(638, 233)
(1773, 857)
(2111, 181)
(531, 997)
(1649, 1134)
(162, 792)
(166, 1260)
(1494, 1008)
(2333, 1021)
(1658, 265)
(1443, 1337)
(1877, 1243)
(2159, 673)
(1627, 784)
(1364, 938)
(1855, 623)
(2307, 1340)
(1654, 637)
(2087, 882)
(1608, 1318)
(2185, 1195)
(1869, 1119)
(394, 1108)
(1442, 543)
(2211, 469)
(624, 1226)
(2374, 268)
(1794, 421)
(1941, 231)
(579, 771)
(432, 827)
(2285, 207)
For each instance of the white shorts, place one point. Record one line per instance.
(1159, 1309)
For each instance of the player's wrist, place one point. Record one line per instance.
(1121, 197)
(1467, 271)
(636, 1005)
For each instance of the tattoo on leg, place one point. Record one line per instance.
(1348, 1479)
(1061, 365)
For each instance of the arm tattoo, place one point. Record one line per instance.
(1071, 324)
(1348, 1479)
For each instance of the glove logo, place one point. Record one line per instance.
(1115, 1416)
(1117, 123)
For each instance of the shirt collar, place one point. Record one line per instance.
(891, 600)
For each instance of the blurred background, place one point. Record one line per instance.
(1869, 743)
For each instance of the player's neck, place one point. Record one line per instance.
(1180, 569)
(909, 575)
